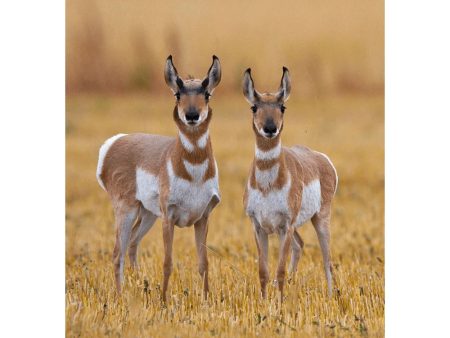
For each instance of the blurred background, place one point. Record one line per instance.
(330, 47)
(115, 56)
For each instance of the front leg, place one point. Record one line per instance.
(262, 243)
(168, 229)
(201, 232)
(285, 235)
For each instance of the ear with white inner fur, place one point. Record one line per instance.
(213, 77)
(171, 75)
(285, 85)
(248, 88)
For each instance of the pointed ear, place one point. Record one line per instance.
(171, 75)
(214, 75)
(248, 88)
(285, 86)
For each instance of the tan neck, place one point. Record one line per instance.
(193, 145)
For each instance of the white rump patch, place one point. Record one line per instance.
(101, 156)
(311, 202)
(187, 144)
(266, 177)
(147, 191)
(196, 171)
(335, 171)
(269, 154)
(203, 140)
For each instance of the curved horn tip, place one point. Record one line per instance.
(215, 57)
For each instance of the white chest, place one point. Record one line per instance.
(188, 199)
(271, 210)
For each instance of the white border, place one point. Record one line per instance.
(417, 169)
(32, 168)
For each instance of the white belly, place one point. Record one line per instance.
(188, 200)
(311, 202)
(147, 191)
(271, 210)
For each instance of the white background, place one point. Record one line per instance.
(32, 168)
(417, 168)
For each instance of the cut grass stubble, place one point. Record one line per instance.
(348, 129)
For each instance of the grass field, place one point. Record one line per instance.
(349, 129)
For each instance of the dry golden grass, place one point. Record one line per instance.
(336, 46)
(349, 129)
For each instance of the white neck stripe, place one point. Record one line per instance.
(203, 140)
(265, 178)
(269, 154)
(186, 142)
(196, 171)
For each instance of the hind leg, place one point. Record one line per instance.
(321, 222)
(147, 219)
(125, 218)
(297, 250)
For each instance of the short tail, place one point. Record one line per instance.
(101, 157)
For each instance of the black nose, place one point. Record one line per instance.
(192, 116)
(270, 128)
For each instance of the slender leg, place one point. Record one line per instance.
(138, 232)
(168, 228)
(285, 236)
(321, 222)
(262, 243)
(297, 250)
(125, 218)
(201, 232)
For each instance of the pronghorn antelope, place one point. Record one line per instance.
(175, 178)
(286, 187)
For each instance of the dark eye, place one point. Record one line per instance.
(177, 95)
(207, 95)
(254, 109)
(282, 108)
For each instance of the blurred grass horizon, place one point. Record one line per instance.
(330, 48)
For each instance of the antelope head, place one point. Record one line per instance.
(268, 108)
(192, 95)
